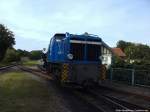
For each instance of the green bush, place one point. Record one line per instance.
(11, 56)
(35, 55)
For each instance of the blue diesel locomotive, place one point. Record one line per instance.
(74, 58)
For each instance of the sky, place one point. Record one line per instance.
(34, 22)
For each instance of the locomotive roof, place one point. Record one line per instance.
(82, 36)
(86, 35)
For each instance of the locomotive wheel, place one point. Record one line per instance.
(49, 68)
(57, 77)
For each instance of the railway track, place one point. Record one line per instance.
(43, 74)
(36, 72)
(108, 103)
(117, 104)
(8, 66)
(134, 99)
(96, 99)
(123, 92)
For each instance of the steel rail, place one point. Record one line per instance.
(6, 67)
(128, 104)
(36, 72)
(91, 101)
(119, 103)
(116, 104)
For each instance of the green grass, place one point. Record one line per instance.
(20, 92)
(30, 63)
(3, 64)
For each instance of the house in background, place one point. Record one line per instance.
(108, 53)
(118, 52)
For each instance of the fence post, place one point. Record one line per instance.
(133, 71)
(111, 74)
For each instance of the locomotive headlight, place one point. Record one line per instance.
(70, 56)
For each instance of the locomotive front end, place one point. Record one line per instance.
(84, 59)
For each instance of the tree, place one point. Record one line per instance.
(131, 52)
(35, 55)
(7, 40)
(118, 62)
(123, 44)
(144, 51)
(139, 53)
(11, 55)
(23, 53)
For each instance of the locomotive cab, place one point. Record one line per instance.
(75, 58)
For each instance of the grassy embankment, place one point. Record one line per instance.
(30, 63)
(20, 92)
(25, 63)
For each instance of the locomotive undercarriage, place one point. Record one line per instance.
(80, 74)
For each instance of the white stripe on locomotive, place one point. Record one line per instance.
(85, 42)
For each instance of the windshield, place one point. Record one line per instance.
(85, 50)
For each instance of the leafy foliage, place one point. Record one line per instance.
(7, 40)
(118, 62)
(11, 56)
(134, 51)
(35, 55)
(23, 53)
(123, 45)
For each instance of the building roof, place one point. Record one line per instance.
(118, 52)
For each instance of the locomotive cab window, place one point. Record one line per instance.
(59, 37)
(82, 49)
(93, 52)
(77, 50)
